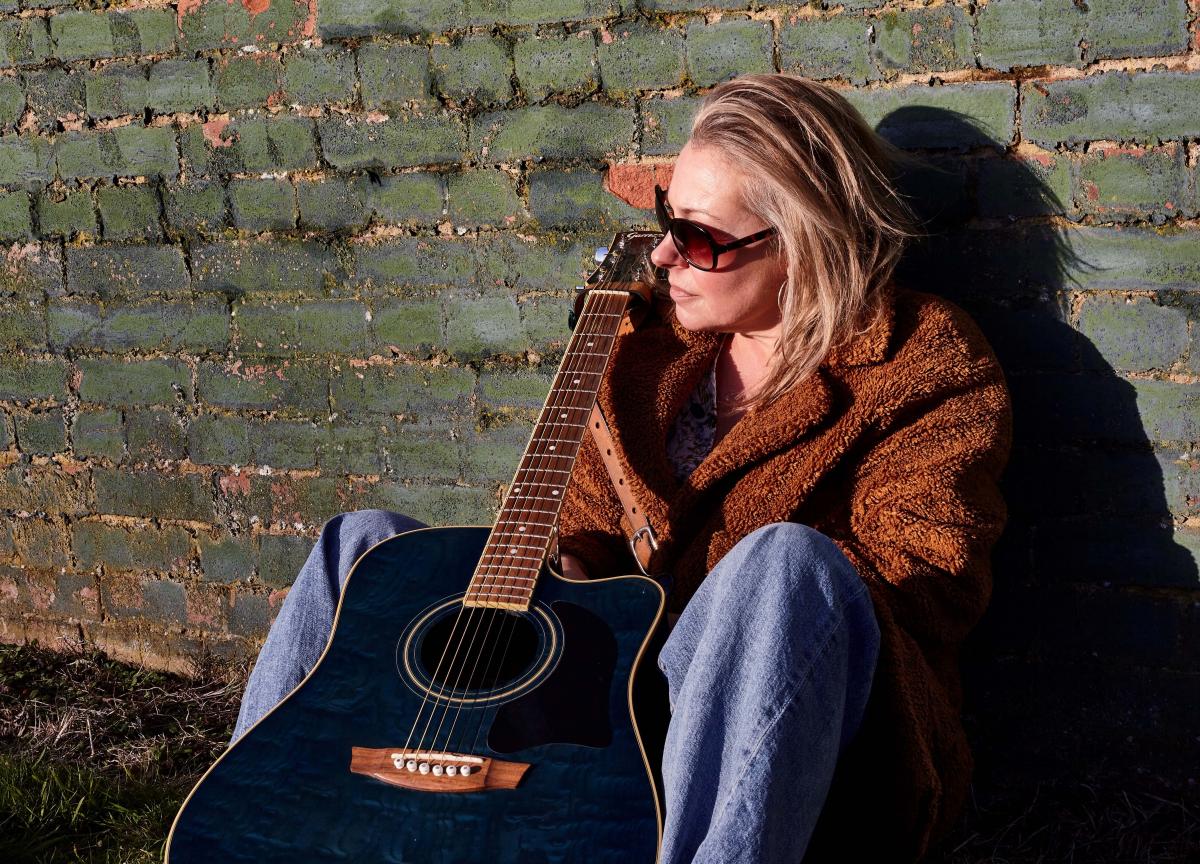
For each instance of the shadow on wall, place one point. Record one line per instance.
(1082, 668)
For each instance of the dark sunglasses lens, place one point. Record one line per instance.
(692, 244)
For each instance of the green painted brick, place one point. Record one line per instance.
(481, 328)
(1168, 411)
(6, 440)
(22, 325)
(226, 558)
(304, 499)
(140, 382)
(1112, 105)
(280, 558)
(416, 197)
(149, 494)
(121, 548)
(298, 266)
(24, 41)
(179, 85)
(44, 487)
(400, 389)
(128, 151)
(726, 49)
(46, 543)
(41, 433)
(154, 434)
(692, 5)
(25, 161)
(247, 80)
(408, 325)
(81, 35)
(590, 130)
(487, 197)
(542, 11)
(415, 261)
(98, 433)
(563, 198)
(990, 106)
(1134, 337)
(12, 102)
(316, 76)
(514, 390)
(248, 614)
(334, 203)
(1133, 183)
(493, 456)
(23, 380)
(283, 386)
(144, 31)
(1030, 33)
(195, 207)
(436, 505)
(923, 40)
(1137, 258)
(1136, 28)
(519, 265)
(313, 327)
(287, 445)
(835, 47)
(254, 143)
(15, 220)
(667, 124)
(201, 325)
(262, 204)
(129, 212)
(67, 213)
(117, 89)
(395, 143)
(544, 322)
(477, 68)
(216, 24)
(214, 439)
(118, 270)
(425, 453)
(556, 65)
(352, 450)
(1016, 187)
(53, 94)
(639, 57)
(340, 18)
(391, 76)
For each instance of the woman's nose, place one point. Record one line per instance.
(665, 254)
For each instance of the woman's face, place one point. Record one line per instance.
(741, 295)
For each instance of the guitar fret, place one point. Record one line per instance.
(536, 510)
(508, 555)
(493, 583)
(552, 470)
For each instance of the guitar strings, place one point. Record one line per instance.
(473, 623)
(569, 396)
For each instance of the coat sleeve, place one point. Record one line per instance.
(591, 521)
(926, 506)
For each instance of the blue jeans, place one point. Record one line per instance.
(768, 670)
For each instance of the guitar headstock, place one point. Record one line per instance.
(626, 265)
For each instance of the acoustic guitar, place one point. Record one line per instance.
(471, 704)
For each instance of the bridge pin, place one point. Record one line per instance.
(423, 767)
(451, 770)
(411, 764)
(437, 770)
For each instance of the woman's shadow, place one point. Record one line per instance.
(1082, 679)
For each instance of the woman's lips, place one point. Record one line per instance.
(678, 295)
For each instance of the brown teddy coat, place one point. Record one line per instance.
(894, 449)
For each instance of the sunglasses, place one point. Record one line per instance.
(694, 242)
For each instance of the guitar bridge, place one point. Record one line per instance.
(430, 771)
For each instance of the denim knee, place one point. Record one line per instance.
(801, 545)
(346, 536)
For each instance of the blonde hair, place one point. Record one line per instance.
(822, 177)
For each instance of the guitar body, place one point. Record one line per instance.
(551, 704)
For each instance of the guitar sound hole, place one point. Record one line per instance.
(479, 649)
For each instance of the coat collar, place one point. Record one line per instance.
(643, 409)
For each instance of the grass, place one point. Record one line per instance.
(96, 757)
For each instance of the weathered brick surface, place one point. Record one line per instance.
(267, 262)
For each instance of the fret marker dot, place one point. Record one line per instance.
(512, 551)
(551, 446)
(575, 381)
(521, 528)
(590, 344)
(562, 415)
(555, 492)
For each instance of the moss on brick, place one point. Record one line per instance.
(316, 76)
(129, 212)
(247, 80)
(98, 433)
(267, 204)
(42, 432)
(556, 65)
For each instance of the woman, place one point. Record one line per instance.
(818, 452)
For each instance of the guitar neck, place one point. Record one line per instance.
(517, 546)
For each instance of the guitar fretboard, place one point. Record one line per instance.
(513, 556)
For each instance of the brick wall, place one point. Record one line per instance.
(268, 261)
